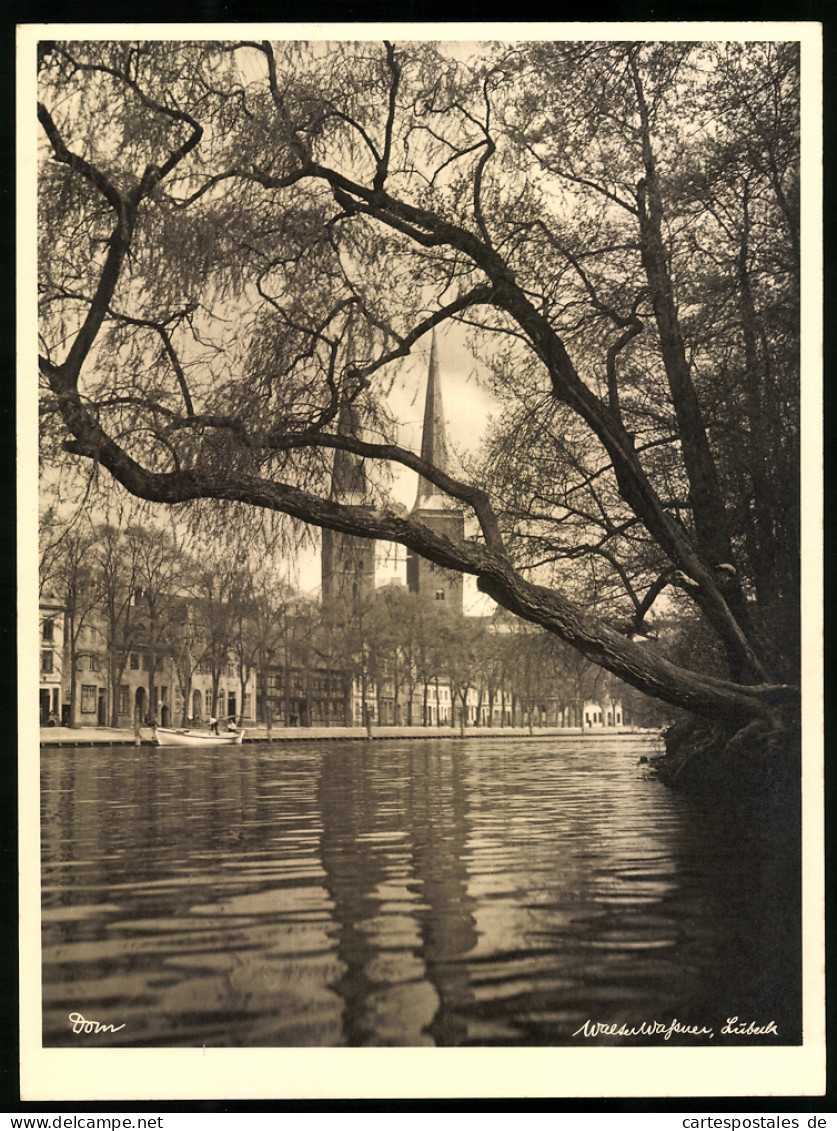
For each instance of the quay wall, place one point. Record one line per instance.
(111, 736)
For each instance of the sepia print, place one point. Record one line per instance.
(425, 487)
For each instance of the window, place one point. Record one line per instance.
(88, 699)
(47, 630)
(46, 662)
(208, 702)
(440, 594)
(93, 663)
(134, 662)
(124, 708)
(146, 661)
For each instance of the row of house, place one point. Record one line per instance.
(296, 696)
(138, 696)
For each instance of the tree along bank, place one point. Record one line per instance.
(755, 771)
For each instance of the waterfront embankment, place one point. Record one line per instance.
(115, 736)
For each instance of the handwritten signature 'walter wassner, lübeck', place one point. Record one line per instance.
(733, 1027)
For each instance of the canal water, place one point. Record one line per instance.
(419, 892)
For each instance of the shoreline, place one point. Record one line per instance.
(52, 737)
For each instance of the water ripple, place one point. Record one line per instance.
(394, 893)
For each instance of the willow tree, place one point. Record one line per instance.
(239, 238)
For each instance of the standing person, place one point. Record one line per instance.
(213, 724)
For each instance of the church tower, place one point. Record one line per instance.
(432, 506)
(348, 562)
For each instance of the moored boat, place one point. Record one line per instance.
(180, 736)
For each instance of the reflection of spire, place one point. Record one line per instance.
(348, 478)
(394, 849)
(440, 824)
(359, 849)
(433, 442)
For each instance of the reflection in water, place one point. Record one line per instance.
(440, 892)
(394, 851)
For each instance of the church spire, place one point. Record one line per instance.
(433, 441)
(433, 507)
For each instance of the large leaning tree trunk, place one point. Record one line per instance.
(265, 231)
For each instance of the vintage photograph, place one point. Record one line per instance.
(421, 541)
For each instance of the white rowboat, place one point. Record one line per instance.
(170, 736)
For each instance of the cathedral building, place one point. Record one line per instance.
(348, 562)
